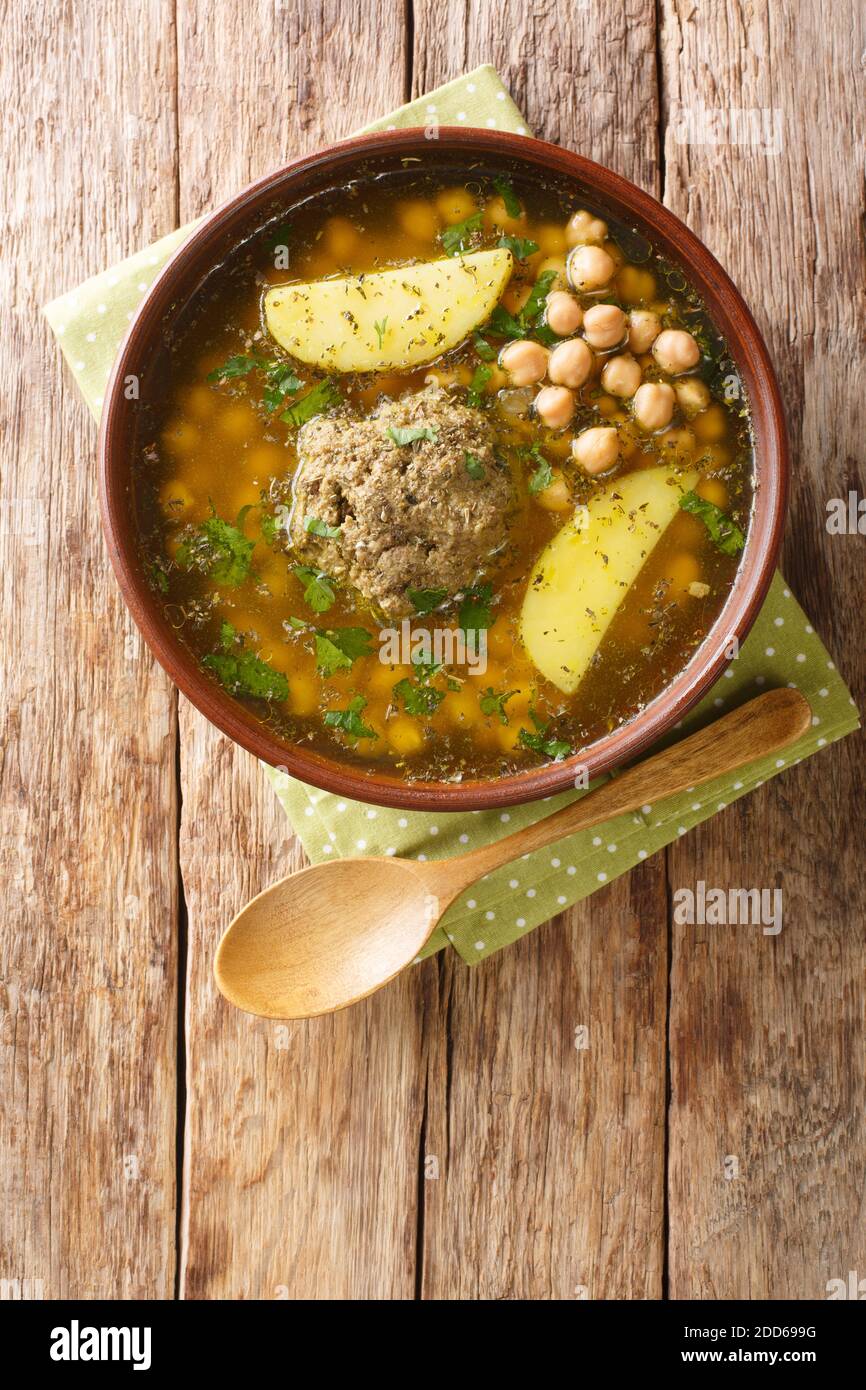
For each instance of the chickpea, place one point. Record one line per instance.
(563, 313)
(524, 361)
(712, 426)
(712, 490)
(678, 444)
(589, 268)
(175, 497)
(200, 402)
(676, 351)
(418, 219)
(643, 328)
(604, 326)
(693, 396)
(558, 266)
(654, 405)
(621, 376)
(497, 215)
(180, 437)
(341, 238)
(551, 240)
(583, 228)
(554, 406)
(570, 363)
(636, 286)
(556, 496)
(404, 736)
(597, 449)
(455, 205)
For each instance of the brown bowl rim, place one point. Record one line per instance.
(772, 465)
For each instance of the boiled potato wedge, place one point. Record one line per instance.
(392, 318)
(585, 572)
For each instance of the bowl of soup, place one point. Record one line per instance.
(443, 474)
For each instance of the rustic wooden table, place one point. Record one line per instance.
(447, 1139)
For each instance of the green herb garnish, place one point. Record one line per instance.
(349, 720)
(244, 673)
(505, 189)
(425, 600)
(459, 237)
(410, 433)
(483, 348)
(318, 588)
(280, 383)
(321, 528)
(480, 378)
(418, 699)
(491, 703)
(220, 549)
(380, 330)
(474, 467)
(723, 530)
(475, 614)
(520, 247)
(338, 647)
(239, 365)
(542, 477)
(321, 398)
(529, 319)
(550, 747)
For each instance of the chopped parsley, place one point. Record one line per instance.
(425, 600)
(418, 699)
(321, 398)
(459, 237)
(280, 382)
(349, 721)
(505, 189)
(542, 476)
(475, 614)
(318, 588)
(491, 703)
(520, 247)
(723, 530)
(407, 435)
(321, 528)
(239, 365)
(380, 330)
(474, 467)
(220, 550)
(480, 378)
(338, 647)
(483, 348)
(528, 320)
(244, 673)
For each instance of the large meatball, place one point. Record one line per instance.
(427, 514)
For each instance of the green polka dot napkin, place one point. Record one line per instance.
(782, 649)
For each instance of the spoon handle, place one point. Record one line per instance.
(766, 724)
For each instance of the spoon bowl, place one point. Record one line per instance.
(367, 918)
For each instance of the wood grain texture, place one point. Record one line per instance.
(551, 1183)
(88, 846)
(301, 1154)
(767, 1032)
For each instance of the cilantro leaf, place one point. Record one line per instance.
(483, 348)
(244, 673)
(220, 550)
(280, 382)
(723, 530)
(474, 614)
(239, 365)
(418, 699)
(528, 321)
(505, 325)
(474, 467)
(520, 247)
(549, 747)
(491, 703)
(534, 306)
(338, 647)
(318, 588)
(425, 600)
(542, 477)
(459, 237)
(410, 433)
(321, 398)
(321, 528)
(505, 189)
(349, 720)
(480, 378)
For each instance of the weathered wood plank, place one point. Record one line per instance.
(301, 1163)
(767, 1032)
(88, 846)
(550, 1156)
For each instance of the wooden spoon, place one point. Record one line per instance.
(332, 934)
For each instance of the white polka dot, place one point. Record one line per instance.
(464, 839)
(461, 115)
(331, 835)
(100, 308)
(489, 916)
(729, 675)
(60, 329)
(721, 806)
(602, 878)
(808, 628)
(770, 651)
(696, 805)
(780, 762)
(471, 903)
(787, 593)
(561, 900)
(571, 869)
(491, 122)
(801, 656)
(327, 849)
(520, 922)
(596, 839)
(341, 805)
(513, 883)
(823, 692)
(641, 854)
(521, 130)
(738, 786)
(470, 86)
(822, 743)
(815, 721)
(505, 818)
(434, 830)
(830, 666)
(479, 945)
(91, 337)
(611, 849)
(681, 830)
(760, 680)
(555, 863)
(390, 850)
(79, 366)
(530, 892)
(360, 844)
(500, 96)
(402, 822)
(309, 811)
(780, 622)
(371, 814)
(646, 810)
(718, 702)
(142, 285)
